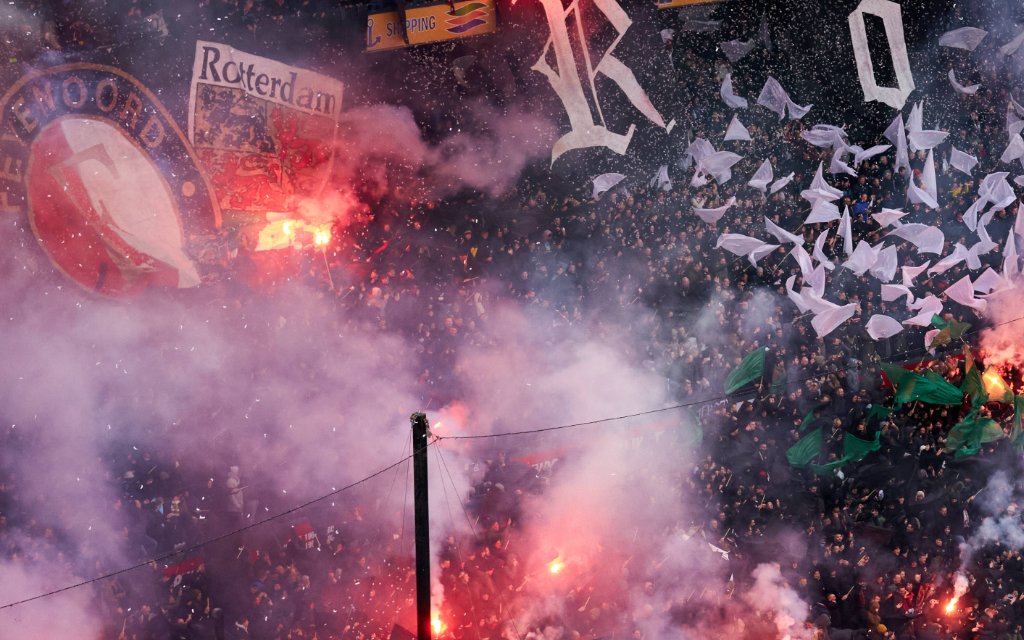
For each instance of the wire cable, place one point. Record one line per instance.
(681, 405)
(209, 541)
(436, 438)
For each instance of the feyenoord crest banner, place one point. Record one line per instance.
(106, 179)
(264, 131)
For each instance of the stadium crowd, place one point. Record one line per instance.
(882, 535)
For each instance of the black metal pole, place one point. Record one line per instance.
(421, 521)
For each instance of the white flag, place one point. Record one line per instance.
(928, 307)
(1014, 151)
(780, 183)
(827, 321)
(712, 216)
(885, 265)
(964, 38)
(819, 252)
(909, 273)
(822, 211)
(961, 161)
(738, 244)
(760, 252)
(735, 50)
(925, 140)
(730, 98)
(605, 182)
(880, 327)
(773, 97)
(661, 179)
(888, 216)
(762, 176)
(866, 154)
(736, 130)
(718, 165)
(961, 89)
(926, 238)
(781, 234)
(863, 258)
(959, 255)
(891, 292)
(962, 291)
(846, 232)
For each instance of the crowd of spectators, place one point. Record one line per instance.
(883, 536)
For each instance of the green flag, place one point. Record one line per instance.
(948, 331)
(966, 438)
(973, 387)
(855, 449)
(877, 412)
(806, 449)
(1017, 434)
(931, 388)
(806, 422)
(751, 368)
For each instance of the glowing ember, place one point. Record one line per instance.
(556, 566)
(436, 625)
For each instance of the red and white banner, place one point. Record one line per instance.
(264, 131)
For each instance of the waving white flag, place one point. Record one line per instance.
(730, 98)
(964, 38)
(828, 321)
(961, 89)
(961, 161)
(781, 234)
(880, 327)
(762, 177)
(926, 238)
(962, 291)
(712, 216)
(736, 130)
(605, 182)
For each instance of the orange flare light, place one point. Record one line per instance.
(556, 566)
(951, 607)
(995, 386)
(321, 237)
(436, 625)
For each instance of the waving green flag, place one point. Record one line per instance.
(751, 368)
(966, 438)
(1017, 434)
(948, 331)
(806, 449)
(974, 388)
(931, 388)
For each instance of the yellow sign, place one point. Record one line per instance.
(430, 24)
(671, 4)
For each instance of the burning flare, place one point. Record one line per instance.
(995, 386)
(436, 625)
(951, 606)
(321, 237)
(556, 566)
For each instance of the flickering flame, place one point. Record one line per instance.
(436, 625)
(951, 606)
(556, 566)
(995, 387)
(321, 237)
(288, 229)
